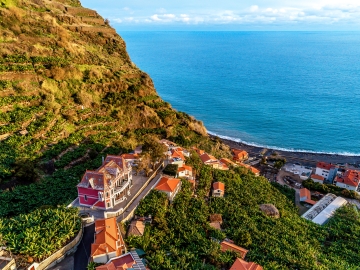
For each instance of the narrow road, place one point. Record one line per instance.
(82, 254)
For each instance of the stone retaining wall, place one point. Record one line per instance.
(59, 255)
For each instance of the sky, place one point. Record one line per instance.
(261, 15)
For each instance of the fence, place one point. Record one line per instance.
(120, 211)
(58, 255)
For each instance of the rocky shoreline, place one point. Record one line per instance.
(304, 158)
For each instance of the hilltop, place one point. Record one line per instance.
(69, 93)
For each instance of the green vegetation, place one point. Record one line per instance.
(181, 236)
(41, 232)
(171, 169)
(287, 191)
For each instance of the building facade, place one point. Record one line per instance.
(108, 185)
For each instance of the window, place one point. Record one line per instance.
(107, 194)
(108, 204)
(85, 197)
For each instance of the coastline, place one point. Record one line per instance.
(303, 157)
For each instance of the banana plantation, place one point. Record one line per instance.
(180, 236)
(40, 233)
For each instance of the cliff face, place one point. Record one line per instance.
(65, 77)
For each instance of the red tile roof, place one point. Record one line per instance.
(317, 177)
(177, 154)
(240, 264)
(251, 168)
(185, 168)
(304, 192)
(350, 178)
(325, 166)
(232, 247)
(207, 158)
(130, 156)
(228, 162)
(219, 185)
(106, 238)
(239, 154)
(198, 151)
(121, 263)
(167, 184)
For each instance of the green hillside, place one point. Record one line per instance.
(69, 94)
(180, 236)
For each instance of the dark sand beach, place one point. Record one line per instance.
(304, 158)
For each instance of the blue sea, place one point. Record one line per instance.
(286, 90)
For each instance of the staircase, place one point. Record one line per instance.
(139, 263)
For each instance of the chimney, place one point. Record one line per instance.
(103, 159)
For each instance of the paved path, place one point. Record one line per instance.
(82, 254)
(135, 203)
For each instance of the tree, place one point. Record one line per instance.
(155, 149)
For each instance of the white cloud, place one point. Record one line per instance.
(325, 13)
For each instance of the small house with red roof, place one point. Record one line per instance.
(228, 162)
(213, 162)
(326, 170)
(239, 155)
(317, 178)
(218, 189)
(229, 245)
(240, 264)
(185, 172)
(349, 180)
(108, 242)
(108, 185)
(127, 261)
(170, 186)
(176, 156)
(251, 168)
(305, 196)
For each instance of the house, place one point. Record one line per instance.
(108, 242)
(229, 245)
(131, 158)
(127, 261)
(185, 171)
(349, 180)
(107, 186)
(251, 168)
(218, 189)
(240, 264)
(170, 186)
(239, 155)
(305, 196)
(137, 227)
(176, 156)
(317, 178)
(216, 221)
(326, 170)
(228, 162)
(213, 162)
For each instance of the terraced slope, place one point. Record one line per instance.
(69, 94)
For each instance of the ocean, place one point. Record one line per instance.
(285, 90)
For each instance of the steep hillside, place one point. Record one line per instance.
(70, 94)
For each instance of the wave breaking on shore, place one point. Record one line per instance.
(238, 140)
